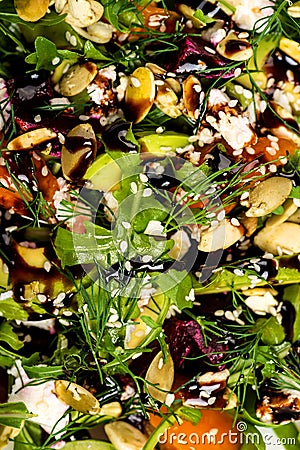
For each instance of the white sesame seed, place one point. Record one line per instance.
(237, 72)
(250, 150)
(197, 88)
(147, 192)
(273, 168)
(136, 355)
(290, 75)
(45, 171)
(153, 23)
(243, 35)
(263, 105)
(270, 82)
(234, 221)
(229, 315)
(221, 216)
(135, 82)
(61, 138)
(133, 187)
(296, 202)
(271, 151)
(143, 178)
(160, 364)
(123, 246)
(238, 272)
(247, 94)
(4, 182)
(159, 82)
(42, 298)
(275, 145)
(37, 118)
(83, 118)
(47, 266)
(55, 61)
(219, 313)
(73, 40)
(159, 130)
(283, 160)
(272, 138)
(232, 103)
(237, 152)
(68, 36)
(210, 50)
(193, 138)
(239, 89)
(126, 225)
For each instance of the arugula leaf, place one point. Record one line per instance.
(8, 335)
(288, 435)
(292, 295)
(12, 310)
(91, 52)
(94, 245)
(295, 192)
(13, 414)
(121, 14)
(29, 437)
(47, 56)
(177, 286)
(204, 18)
(43, 371)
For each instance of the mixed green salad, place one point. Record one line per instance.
(150, 224)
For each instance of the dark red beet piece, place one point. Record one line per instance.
(185, 340)
(193, 50)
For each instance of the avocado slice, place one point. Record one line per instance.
(256, 63)
(162, 143)
(104, 174)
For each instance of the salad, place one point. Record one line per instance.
(150, 224)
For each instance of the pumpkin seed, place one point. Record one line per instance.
(78, 151)
(77, 397)
(99, 32)
(157, 70)
(290, 47)
(31, 139)
(139, 94)
(77, 78)
(250, 224)
(268, 195)
(191, 95)
(222, 236)
(125, 436)
(295, 217)
(283, 238)
(31, 10)
(83, 13)
(234, 48)
(112, 409)
(167, 101)
(161, 374)
(174, 85)
(289, 208)
(294, 10)
(33, 257)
